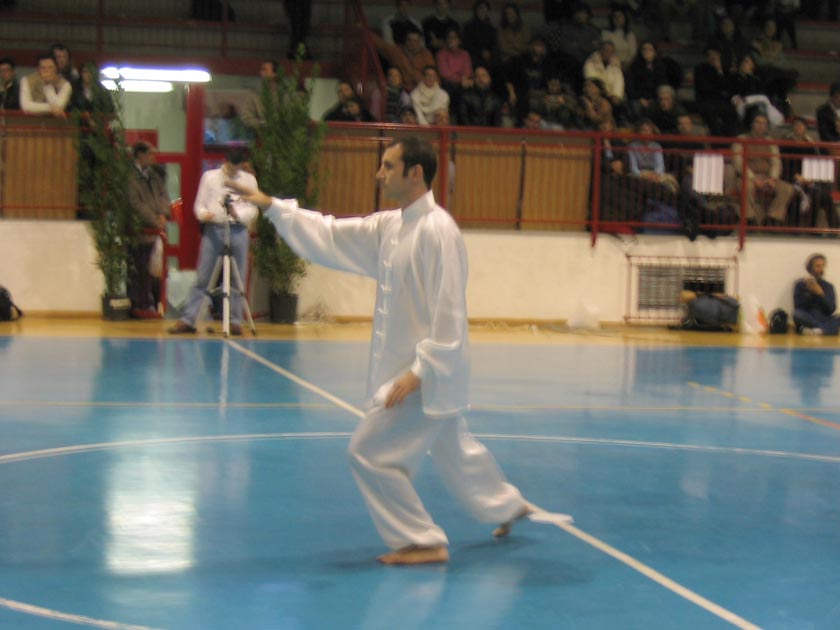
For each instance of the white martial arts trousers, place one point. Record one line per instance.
(386, 451)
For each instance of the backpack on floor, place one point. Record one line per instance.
(777, 323)
(8, 310)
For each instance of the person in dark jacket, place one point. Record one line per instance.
(814, 301)
(828, 116)
(480, 105)
(9, 85)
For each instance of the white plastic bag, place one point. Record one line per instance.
(585, 317)
(753, 319)
(156, 259)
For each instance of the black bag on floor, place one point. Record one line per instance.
(777, 323)
(8, 310)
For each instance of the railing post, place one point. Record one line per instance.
(742, 231)
(595, 217)
(443, 167)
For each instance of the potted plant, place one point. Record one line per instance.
(104, 170)
(285, 152)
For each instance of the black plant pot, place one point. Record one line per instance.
(115, 309)
(282, 307)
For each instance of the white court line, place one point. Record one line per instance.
(560, 520)
(38, 611)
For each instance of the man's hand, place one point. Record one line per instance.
(256, 197)
(814, 286)
(401, 388)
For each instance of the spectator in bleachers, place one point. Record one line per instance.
(89, 95)
(731, 44)
(481, 37)
(45, 92)
(527, 77)
(428, 97)
(767, 45)
(514, 35)
(9, 85)
(763, 171)
(408, 116)
(713, 96)
(338, 112)
(454, 64)
(828, 116)
(815, 206)
(622, 37)
(580, 39)
(646, 160)
(645, 74)
(395, 27)
(695, 11)
(559, 107)
(396, 97)
(61, 54)
(749, 94)
(534, 121)
(605, 65)
(440, 117)
(779, 80)
(252, 114)
(437, 25)
(299, 14)
(786, 12)
(480, 104)
(666, 110)
(595, 106)
(410, 58)
(355, 111)
(814, 301)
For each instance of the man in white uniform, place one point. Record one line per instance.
(419, 364)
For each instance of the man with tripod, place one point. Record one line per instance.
(219, 209)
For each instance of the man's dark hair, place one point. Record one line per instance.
(141, 147)
(236, 156)
(273, 64)
(418, 152)
(834, 89)
(41, 58)
(7, 61)
(56, 47)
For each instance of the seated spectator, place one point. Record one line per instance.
(645, 74)
(595, 106)
(395, 27)
(559, 107)
(437, 25)
(514, 35)
(646, 160)
(815, 206)
(480, 105)
(440, 117)
(828, 116)
(621, 36)
(408, 116)
(778, 80)
(605, 65)
(481, 37)
(89, 95)
(814, 301)
(454, 64)
(410, 57)
(355, 111)
(731, 44)
(396, 97)
(713, 96)
(666, 110)
(534, 121)
(45, 92)
(527, 76)
(338, 112)
(61, 54)
(763, 172)
(580, 37)
(9, 86)
(749, 94)
(428, 96)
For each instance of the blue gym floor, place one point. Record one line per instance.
(202, 484)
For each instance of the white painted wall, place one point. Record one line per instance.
(49, 266)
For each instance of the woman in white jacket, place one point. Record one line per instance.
(428, 97)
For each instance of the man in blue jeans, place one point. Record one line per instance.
(814, 301)
(214, 200)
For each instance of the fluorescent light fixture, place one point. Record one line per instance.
(186, 75)
(139, 86)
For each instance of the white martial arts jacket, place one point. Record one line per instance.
(418, 257)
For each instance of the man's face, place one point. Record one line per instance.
(666, 101)
(760, 127)
(390, 176)
(394, 77)
(353, 109)
(413, 43)
(230, 169)
(607, 50)
(62, 58)
(345, 91)
(7, 73)
(430, 77)
(47, 70)
(713, 57)
(835, 99)
(482, 78)
(442, 7)
(267, 71)
(145, 160)
(685, 126)
(818, 268)
(538, 49)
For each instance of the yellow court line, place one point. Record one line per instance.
(768, 407)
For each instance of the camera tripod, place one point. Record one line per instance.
(228, 269)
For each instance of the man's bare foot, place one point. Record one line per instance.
(415, 554)
(504, 529)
